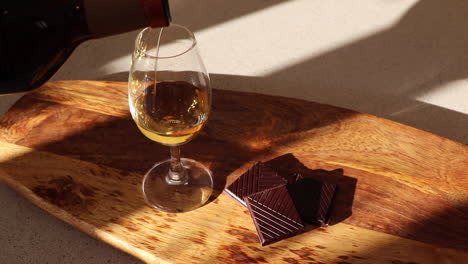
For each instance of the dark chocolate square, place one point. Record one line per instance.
(288, 166)
(258, 178)
(313, 199)
(274, 214)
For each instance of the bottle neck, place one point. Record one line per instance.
(109, 17)
(157, 13)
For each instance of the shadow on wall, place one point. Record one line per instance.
(383, 73)
(380, 74)
(195, 14)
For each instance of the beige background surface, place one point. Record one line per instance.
(402, 60)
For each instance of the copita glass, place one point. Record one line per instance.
(169, 94)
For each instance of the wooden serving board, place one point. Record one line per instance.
(73, 150)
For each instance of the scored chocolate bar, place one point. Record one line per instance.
(274, 214)
(258, 178)
(313, 199)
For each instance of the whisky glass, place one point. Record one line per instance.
(169, 95)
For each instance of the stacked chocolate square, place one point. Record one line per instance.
(280, 204)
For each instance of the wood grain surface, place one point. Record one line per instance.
(72, 149)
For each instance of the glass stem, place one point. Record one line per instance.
(177, 173)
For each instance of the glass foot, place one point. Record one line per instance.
(177, 197)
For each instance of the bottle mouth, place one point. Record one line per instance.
(165, 42)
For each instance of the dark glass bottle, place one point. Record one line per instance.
(37, 36)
